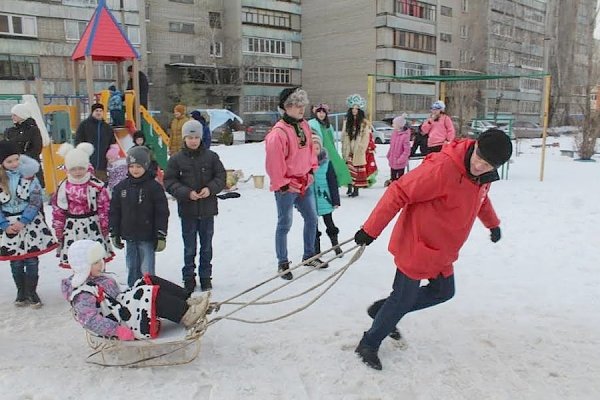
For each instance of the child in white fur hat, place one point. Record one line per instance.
(101, 307)
(80, 204)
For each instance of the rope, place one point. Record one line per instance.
(338, 274)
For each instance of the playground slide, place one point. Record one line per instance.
(124, 139)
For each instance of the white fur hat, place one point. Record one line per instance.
(76, 156)
(82, 254)
(21, 111)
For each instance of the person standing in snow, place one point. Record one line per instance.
(439, 127)
(206, 136)
(175, 138)
(356, 135)
(399, 150)
(290, 163)
(439, 200)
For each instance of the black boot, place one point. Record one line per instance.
(189, 284)
(333, 236)
(374, 309)
(368, 355)
(285, 267)
(205, 284)
(354, 192)
(31, 283)
(318, 242)
(349, 191)
(21, 299)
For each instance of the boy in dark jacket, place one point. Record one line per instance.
(96, 131)
(139, 213)
(194, 176)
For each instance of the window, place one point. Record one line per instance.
(530, 14)
(80, 2)
(216, 49)
(416, 9)
(181, 58)
(446, 11)
(412, 103)
(18, 25)
(147, 11)
(214, 20)
(183, 1)
(260, 103)
(106, 71)
(267, 75)
(464, 6)
(415, 41)
(446, 37)
(445, 66)
(74, 29)
(133, 33)
(19, 67)
(529, 107)
(266, 17)
(464, 56)
(276, 47)
(530, 84)
(464, 31)
(404, 68)
(181, 27)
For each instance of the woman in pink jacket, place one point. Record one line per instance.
(439, 127)
(399, 150)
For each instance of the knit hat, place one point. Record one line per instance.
(355, 100)
(82, 254)
(137, 135)
(139, 155)
(316, 139)
(97, 105)
(494, 146)
(192, 128)
(21, 111)
(399, 122)
(438, 105)
(112, 88)
(76, 156)
(180, 108)
(113, 152)
(322, 107)
(7, 149)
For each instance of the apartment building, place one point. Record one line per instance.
(37, 39)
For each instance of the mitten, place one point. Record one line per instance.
(495, 234)
(124, 333)
(362, 238)
(161, 242)
(116, 242)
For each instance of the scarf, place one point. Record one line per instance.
(296, 124)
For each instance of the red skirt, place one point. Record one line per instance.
(358, 174)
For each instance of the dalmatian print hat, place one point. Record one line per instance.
(82, 254)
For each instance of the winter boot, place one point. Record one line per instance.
(21, 299)
(368, 355)
(354, 192)
(387, 183)
(31, 283)
(318, 242)
(317, 263)
(194, 314)
(189, 284)
(374, 309)
(349, 191)
(285, 267)
(203, 298)
(205, 284)
(333, 236)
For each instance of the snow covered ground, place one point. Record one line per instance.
(524, 323)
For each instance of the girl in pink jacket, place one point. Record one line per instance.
(80, 204)
(399, 150)
(439, 127)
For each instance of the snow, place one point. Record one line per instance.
(524, 322)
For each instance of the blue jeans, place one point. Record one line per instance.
(204, 229)
(285, 206)
(28, 267)
(139, 258)
(407, 296)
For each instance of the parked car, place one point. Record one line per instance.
(528, 130)
(257, 130)
(478, 126)
(382, 132)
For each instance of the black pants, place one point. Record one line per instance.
(434, 149)
(170, 300)
(396, 173)
(420, 143)
(328, 219)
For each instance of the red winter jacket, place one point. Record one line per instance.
(439, 203)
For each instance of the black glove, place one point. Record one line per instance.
(362, 238)
(284, 188)
(116, 242)
(495, 234)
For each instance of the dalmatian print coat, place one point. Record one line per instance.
(80, 211)
(35, 238)
(100, 307)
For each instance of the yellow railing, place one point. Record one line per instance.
(155, 126)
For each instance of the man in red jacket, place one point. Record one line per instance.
(440, 200)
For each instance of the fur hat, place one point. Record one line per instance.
(438, 105)
(180, 108)
(21, 110)
(355, 100)
(96, 106)
(192, 128)
(139, 155)
(82, 254)
(292, 96)
(494, 146)
(7, 149)
(76, 156)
